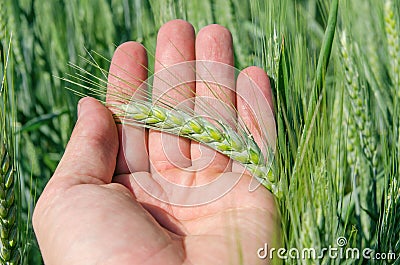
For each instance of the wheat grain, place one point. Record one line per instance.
(352, 145)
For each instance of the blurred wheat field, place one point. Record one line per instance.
(335, 101)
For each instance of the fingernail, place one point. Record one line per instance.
(81, 101)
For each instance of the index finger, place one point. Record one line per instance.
(127, 73)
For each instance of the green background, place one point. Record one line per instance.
(338, 151)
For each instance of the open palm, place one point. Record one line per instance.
(93, 211)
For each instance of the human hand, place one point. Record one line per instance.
(93, 211)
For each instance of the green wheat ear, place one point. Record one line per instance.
(8, 212)
(229, 136)
(221, 137)
(393, 43)
(9, 253)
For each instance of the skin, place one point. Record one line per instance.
(93, 212)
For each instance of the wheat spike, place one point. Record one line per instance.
(2, 22)
(219, 136)
(8, 212)
(391, 217)
(359, 107)
(227, 135)
(392, 35)
(360, 139)
(9, 253)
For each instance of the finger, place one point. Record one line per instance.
(92, 149)
(175, 44)
(254, 106)
(127, 72)
(215, 90)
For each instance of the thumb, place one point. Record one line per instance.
(90, 155)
